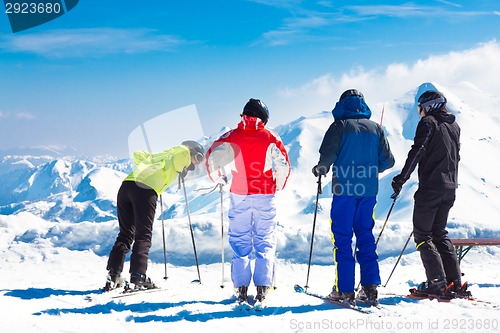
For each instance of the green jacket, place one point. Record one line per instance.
(159, 170)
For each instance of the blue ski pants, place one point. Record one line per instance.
(353, 215)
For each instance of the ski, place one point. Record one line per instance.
(252, 303)
(444, 299)
(122, 292)
(414, 293)
(240, 306)
(131, 292)
(241, 299)
(367, 303)
(259, 306)
(345, 305)
(246, 306)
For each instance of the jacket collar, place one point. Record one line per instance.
(248, 123)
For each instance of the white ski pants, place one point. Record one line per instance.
(252, 226)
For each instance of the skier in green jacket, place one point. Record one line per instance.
(136, 206)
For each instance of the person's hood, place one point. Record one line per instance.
(352, 107)
(442, 115)
(249, 123)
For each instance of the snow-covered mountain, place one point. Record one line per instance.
(67, 190)
(61, 188)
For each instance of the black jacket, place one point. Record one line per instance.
(436, 150)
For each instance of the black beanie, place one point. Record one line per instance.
(349, 93)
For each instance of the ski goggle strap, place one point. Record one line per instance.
(198, 157)
(432, 104)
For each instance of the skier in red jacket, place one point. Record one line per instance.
(259, 166)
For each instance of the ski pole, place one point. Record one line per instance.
(211, 189)
(275, 285)
(399, 258)
(383, 227)
(222, 233)
(382, 115)
(163, 234)
(318, 192)
(191, 229)
(386, 219)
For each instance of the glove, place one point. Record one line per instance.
(397, 185)
(183, 173)
(221, 180)
(318, 170)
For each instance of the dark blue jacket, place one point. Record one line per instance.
(357, 148)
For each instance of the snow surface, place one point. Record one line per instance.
(58, 223)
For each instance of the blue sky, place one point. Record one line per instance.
(88, 78)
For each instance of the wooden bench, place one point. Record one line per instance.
(463, 245)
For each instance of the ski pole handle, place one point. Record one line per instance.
(320, 191)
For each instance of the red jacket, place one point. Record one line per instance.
(255, 155)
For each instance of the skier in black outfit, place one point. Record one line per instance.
(436, 151)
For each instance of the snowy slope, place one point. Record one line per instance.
(58, 223)
(44, 290)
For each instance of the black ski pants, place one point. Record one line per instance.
(136, 205)
(430, 216)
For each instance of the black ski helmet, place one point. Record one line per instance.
(431, 100)
(195, 149)
(256, 108)
(349, 93)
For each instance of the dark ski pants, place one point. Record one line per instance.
(136, 205)
(430, 216)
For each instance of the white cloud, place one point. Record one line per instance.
(307, 22)
(449, 10)
(449, 3)
(391, 10)
(88, 42)
(24, 115)
(479, 66)
(17, 115)
(279, 3)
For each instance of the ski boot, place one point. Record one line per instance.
(458, 289)
(242, 298)
(342, 297)
(435, 288)
(369, 295)
(241, 294)
(260, 297)
(113, 281)
(261, 293)
(141, 281)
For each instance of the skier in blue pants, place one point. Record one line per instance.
(353, 215)
(358, 150)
